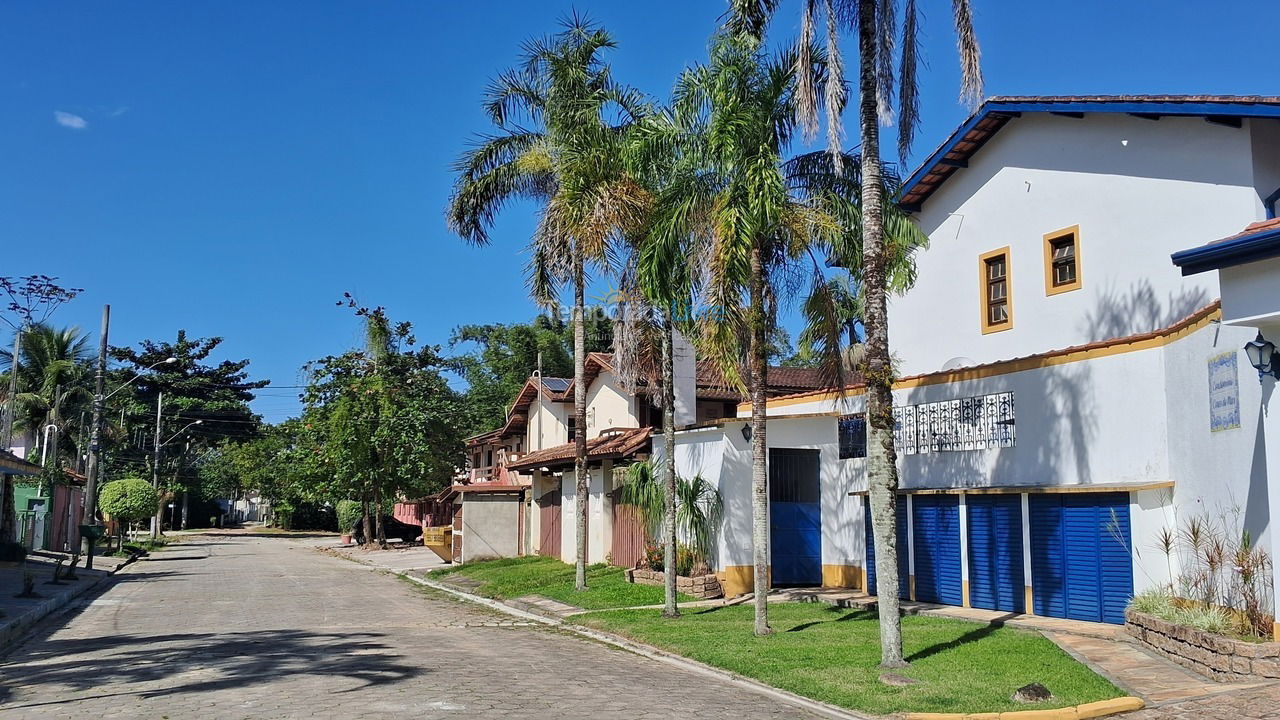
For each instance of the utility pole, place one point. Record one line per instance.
(95, 438)
(158, 517)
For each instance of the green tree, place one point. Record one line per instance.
(874, 24)
(557, 144)
(128, 500)
(54, 385)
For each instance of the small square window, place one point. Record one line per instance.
(853, 436)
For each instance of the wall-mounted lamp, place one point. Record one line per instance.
(746, 432)
(1261, 353)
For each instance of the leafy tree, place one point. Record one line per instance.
(502, 358)
(54, 384)
(349, 512)
(214, 394)
(560, 120)
(128, 500)
(874, 23)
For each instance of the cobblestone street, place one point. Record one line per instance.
(252, 627)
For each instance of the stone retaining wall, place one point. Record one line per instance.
(1214, 656)
(704, 587)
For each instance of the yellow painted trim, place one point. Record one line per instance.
(1197, 321)
(1087, 711)
(1275, 631)
(1049, 287)
(987, 327)
(840, 576)
(864, 581)
(1028, 601)
(738, 580)
(964, 594)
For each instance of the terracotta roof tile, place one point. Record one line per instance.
(610, 444)
(1253, 229)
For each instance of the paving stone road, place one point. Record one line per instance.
(260, 627)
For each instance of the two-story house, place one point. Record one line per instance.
(1066, 394)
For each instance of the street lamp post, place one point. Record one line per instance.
(155, 462)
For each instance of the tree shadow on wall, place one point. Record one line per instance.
(1120, 313)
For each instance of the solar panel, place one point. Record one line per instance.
(556, 384)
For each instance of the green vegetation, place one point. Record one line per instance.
(832, 654)
(349, 514)
(509, 578)
(128, 500)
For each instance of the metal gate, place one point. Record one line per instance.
(900, 513)
(935, 520)
(795, 517)
(628, 533)
(549, 524)
(1081, 565)
(995, 552)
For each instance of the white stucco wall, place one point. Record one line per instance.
(1249, 294)
(596, 537)
(609, 406)
(1265, 134)
(1138, 190)
(548, 424)
(490, 526)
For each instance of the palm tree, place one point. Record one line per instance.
(569, 160)
(874, 23)
(751, 236)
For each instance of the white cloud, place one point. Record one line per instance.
(68, 120)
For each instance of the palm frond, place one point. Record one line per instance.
(970, 53)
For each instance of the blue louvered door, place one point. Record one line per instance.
(1081, 566)
(935, 520)
(901, 512)
(795, 517)
(995, 552)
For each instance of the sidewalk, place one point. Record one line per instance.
(17, 615)
(400, 559)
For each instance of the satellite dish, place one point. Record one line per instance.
(956, 363)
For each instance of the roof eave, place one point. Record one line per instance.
(1214, 256)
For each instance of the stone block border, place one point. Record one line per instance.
(1214, 656)
(705, 587)
(1102, 708)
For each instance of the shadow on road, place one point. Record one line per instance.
(202, 662)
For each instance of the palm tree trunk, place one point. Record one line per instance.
(669, 464)
(882, 473)
(580, 418)
(759, 449)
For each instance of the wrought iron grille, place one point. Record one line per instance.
(973, 423)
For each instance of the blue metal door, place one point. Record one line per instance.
(1081, 566)
(995, 552)
(795, 517)
(901, 512)
(935, 520)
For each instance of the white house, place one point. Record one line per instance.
(1067, 402)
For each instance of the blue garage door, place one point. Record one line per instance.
(935, 520)
(1081, 567)
(903, 585)
(795, 517)
(995, 552)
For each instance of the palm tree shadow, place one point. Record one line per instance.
(971, 636)
(853, 615)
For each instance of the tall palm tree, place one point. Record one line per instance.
(874, 23)
(569, 159)
(751, 235)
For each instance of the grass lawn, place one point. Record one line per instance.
(831, 654)
(515, 577)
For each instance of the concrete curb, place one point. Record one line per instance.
(1102, 708)
(14, 630)
(650, 652)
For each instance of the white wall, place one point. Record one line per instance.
(1138, 189)
(596, 539)
(1249, 293)
(608, 406)
(490, 526)
(1266, 157)
(548, 423)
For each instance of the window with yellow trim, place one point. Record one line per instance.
(1062, 261)
(997, 310)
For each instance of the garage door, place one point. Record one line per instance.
(935, 520)
(795, 517)
(1081, 567)
(903, 585)
(995, 552)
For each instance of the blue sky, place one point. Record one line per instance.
(232, 168)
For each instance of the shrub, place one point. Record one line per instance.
(1157, 602)
(1207, 619)
(129, 499)
(349, 515)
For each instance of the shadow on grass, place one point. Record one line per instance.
(971, 636)
(224, 660)
(848, 615)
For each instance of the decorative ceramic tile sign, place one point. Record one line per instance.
(1224, 392)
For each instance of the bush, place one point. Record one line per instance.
(129, 499)
(349, 515)
(1157, 602)
(1207, 619)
